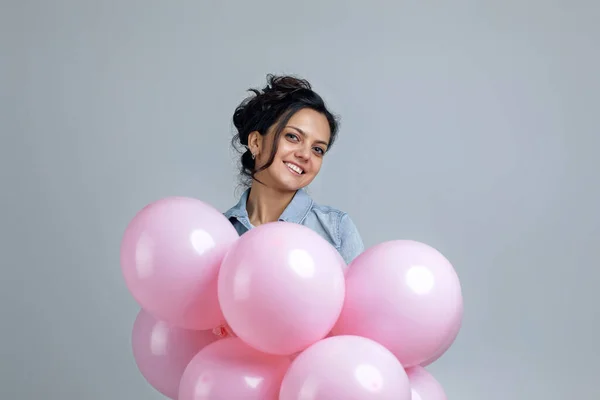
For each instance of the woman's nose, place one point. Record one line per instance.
(303, 153)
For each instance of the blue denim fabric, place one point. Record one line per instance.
(333, 225)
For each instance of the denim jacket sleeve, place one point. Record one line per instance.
(351, 243)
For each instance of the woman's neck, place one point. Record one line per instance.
(266, 205)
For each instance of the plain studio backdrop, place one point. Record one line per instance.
(471, 126)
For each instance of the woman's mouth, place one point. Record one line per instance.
(294, 168)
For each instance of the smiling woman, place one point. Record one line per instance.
(284, 132)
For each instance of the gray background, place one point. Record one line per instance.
(472, 127)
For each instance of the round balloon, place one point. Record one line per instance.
(345, 367)
(424, 386)
(162, 351)
(230, 369)
(281, 287)
(405, 295)
(454, 327)
(170, 257)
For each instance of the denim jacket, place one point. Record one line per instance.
(333, 225)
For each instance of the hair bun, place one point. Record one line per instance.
(278, 89)
(286, 84)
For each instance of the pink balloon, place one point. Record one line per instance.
(295, 355)
(346, 367)
(170, 257)
(404, 295)
(281, 287)
(424, 386)
(162, 351)
(452, 335)
(230, 369)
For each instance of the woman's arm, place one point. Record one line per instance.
(351, 243)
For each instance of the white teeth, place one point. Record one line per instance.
(294, 168)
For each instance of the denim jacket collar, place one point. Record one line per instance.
(295, 212)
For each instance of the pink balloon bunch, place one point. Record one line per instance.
(276, 314)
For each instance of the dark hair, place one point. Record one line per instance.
(277, 102)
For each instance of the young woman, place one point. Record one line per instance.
(284, 132)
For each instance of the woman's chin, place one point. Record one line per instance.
(289, 183)
(289, 186)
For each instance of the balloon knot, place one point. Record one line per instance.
(222, 331)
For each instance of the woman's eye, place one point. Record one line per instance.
(291, 136)
(319, 150)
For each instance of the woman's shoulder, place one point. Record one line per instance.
(328, 211)
(342, 229)
(335, 216)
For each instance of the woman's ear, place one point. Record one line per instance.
(254, 142)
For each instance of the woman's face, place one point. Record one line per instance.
(302, 144)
